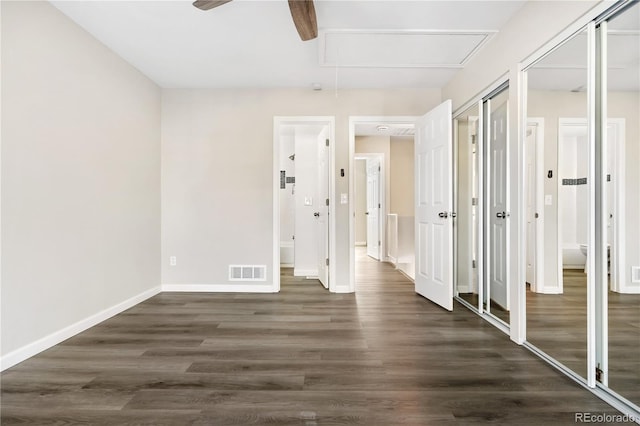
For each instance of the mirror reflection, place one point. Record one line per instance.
(496, 131)
(557, 190)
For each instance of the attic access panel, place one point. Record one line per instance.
(400, 49)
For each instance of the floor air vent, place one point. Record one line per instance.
(247, 272)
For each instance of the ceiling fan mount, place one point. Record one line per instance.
(303, 14)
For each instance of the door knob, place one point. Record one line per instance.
(500, 215)
(443, 214)
(317, 214)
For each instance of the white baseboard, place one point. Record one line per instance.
(553, 290)
(31, 349)
(305, 272)
(361, 243)
(286, 265)
(219, 288)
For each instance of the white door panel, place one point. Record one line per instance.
(373, 208)
(323, 211)
(498, 206)
(434, 200)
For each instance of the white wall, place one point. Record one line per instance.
(80, 180)
(287, 195)
(217, 177)
(401, 175)
(287, 199)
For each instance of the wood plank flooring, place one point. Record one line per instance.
(557, 324)
(384, 356)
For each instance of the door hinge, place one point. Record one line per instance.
(474, 201)
(327, 201)
(293, 237)
(379, 243)
(599, 373)
(379, 206)
(327, 261)
(327, 142)
(537, 215)
(379, 169)
(473, 263)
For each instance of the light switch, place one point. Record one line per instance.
(308, 201)
(548, 200)
(344, 198)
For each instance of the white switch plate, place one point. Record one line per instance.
(173, 261)
(344, 198)
(548, 200)
(308, 201)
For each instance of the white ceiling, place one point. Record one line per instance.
(249, 43)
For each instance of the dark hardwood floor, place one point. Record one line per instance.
(557, 324)
(384, 356)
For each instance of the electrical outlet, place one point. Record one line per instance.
(173, 261)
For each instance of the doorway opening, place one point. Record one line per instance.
(381, 215)
(303, 219)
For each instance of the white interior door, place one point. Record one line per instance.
(373, 208)
(323, 210)
(434, 201)
(530, 193)
(498, 213)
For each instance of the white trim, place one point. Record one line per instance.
(297, 272)
(516, 226)
(218, 288)
(351, 287)
(275, 269)
(480, 244)
(277, 122)
(34, 348)
(591, 177)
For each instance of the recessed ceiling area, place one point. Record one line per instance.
(399, 49)
(254, 44)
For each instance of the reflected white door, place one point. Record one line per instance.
(373, 208)
(323, 211)
(434, 201)
(498, 205)
(530, 201)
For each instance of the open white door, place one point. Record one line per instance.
(498, 213)
(323, 210)
(434, 201)
(531, 192)
(373, 208)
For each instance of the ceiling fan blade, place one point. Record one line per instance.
(304, 17)
(209, 4)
